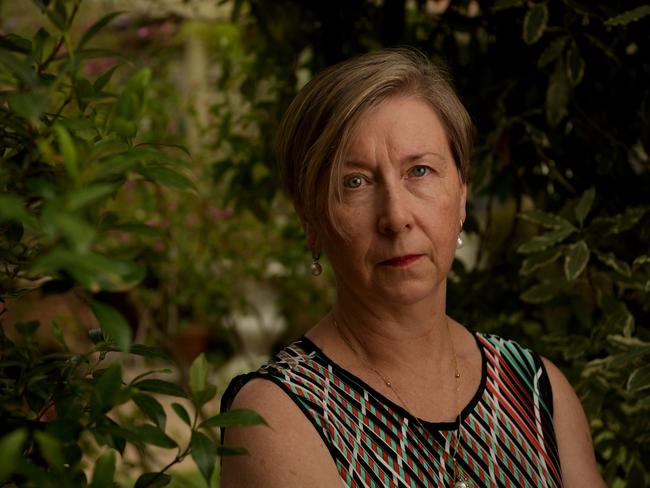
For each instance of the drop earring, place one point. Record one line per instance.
(459, 239)
(316, 268)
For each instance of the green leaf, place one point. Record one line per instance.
(550, 221)
(57, 332)
(544, 241)
(124, 127)
(535, 23)
(182, 413)
(199, 374)
(204, 453)
(113, 324)
(505, 4)
(204, 396)
(139, 81)
(13, 42)
(160, 386)
(543, 292)
(629, 343)
(92, 271)
(77, 231)
(149, 373)
(149, 352)
(21, 70)
(104, 471)
(167, 177)
(13, 208)
(104, 78)
(150, 434)
(639, 380)
(540, 260)
(27, 328)
(88, 194)
(50, 448)
(153, 480)
(557, 97)
(584, 205)
(234, 418)
(11, 447)
(552, 51)
(152, 409)
(68, 151)
(96, 27)
(576, 259)
(57, 16)
(640, 261)
(107, 388)
(622, 222)
(613, 262)
(618, 318)
(575, 64)
(28, 105)
(629, 16)
(626, 358)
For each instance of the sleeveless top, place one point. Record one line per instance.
(507, 437)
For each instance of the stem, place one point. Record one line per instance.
(58, 112)
(50, 58)
(179, 457)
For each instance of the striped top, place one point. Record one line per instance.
(506, 439)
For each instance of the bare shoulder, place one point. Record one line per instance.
(575, 447)
(286, 453)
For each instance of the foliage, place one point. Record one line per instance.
(54, 404)
(70, 146)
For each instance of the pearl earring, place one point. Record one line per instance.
(316, 268)
(459, 239)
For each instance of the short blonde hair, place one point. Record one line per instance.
(315, 132)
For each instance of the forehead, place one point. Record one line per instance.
(399, 126)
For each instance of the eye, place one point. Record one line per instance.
(353, 181)
(419, 171)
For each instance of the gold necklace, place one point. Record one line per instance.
(460, 479)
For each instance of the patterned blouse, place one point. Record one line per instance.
(507, 437)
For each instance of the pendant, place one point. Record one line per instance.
(461, 481)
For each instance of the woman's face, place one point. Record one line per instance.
(401, 203)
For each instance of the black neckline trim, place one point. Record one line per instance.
(309, 346)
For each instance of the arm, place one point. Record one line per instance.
(575, 448)
(286, 453)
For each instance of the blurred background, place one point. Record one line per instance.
(140, 197)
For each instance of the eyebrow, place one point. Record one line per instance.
(355, 163)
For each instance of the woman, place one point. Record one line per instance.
(387, 390)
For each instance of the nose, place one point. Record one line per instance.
(393, 211)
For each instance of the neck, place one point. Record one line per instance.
(419, 334)
(393, 343)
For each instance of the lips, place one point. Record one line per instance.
(401, 261)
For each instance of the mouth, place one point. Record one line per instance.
(401, 261)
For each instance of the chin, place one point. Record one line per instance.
(409, 293)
